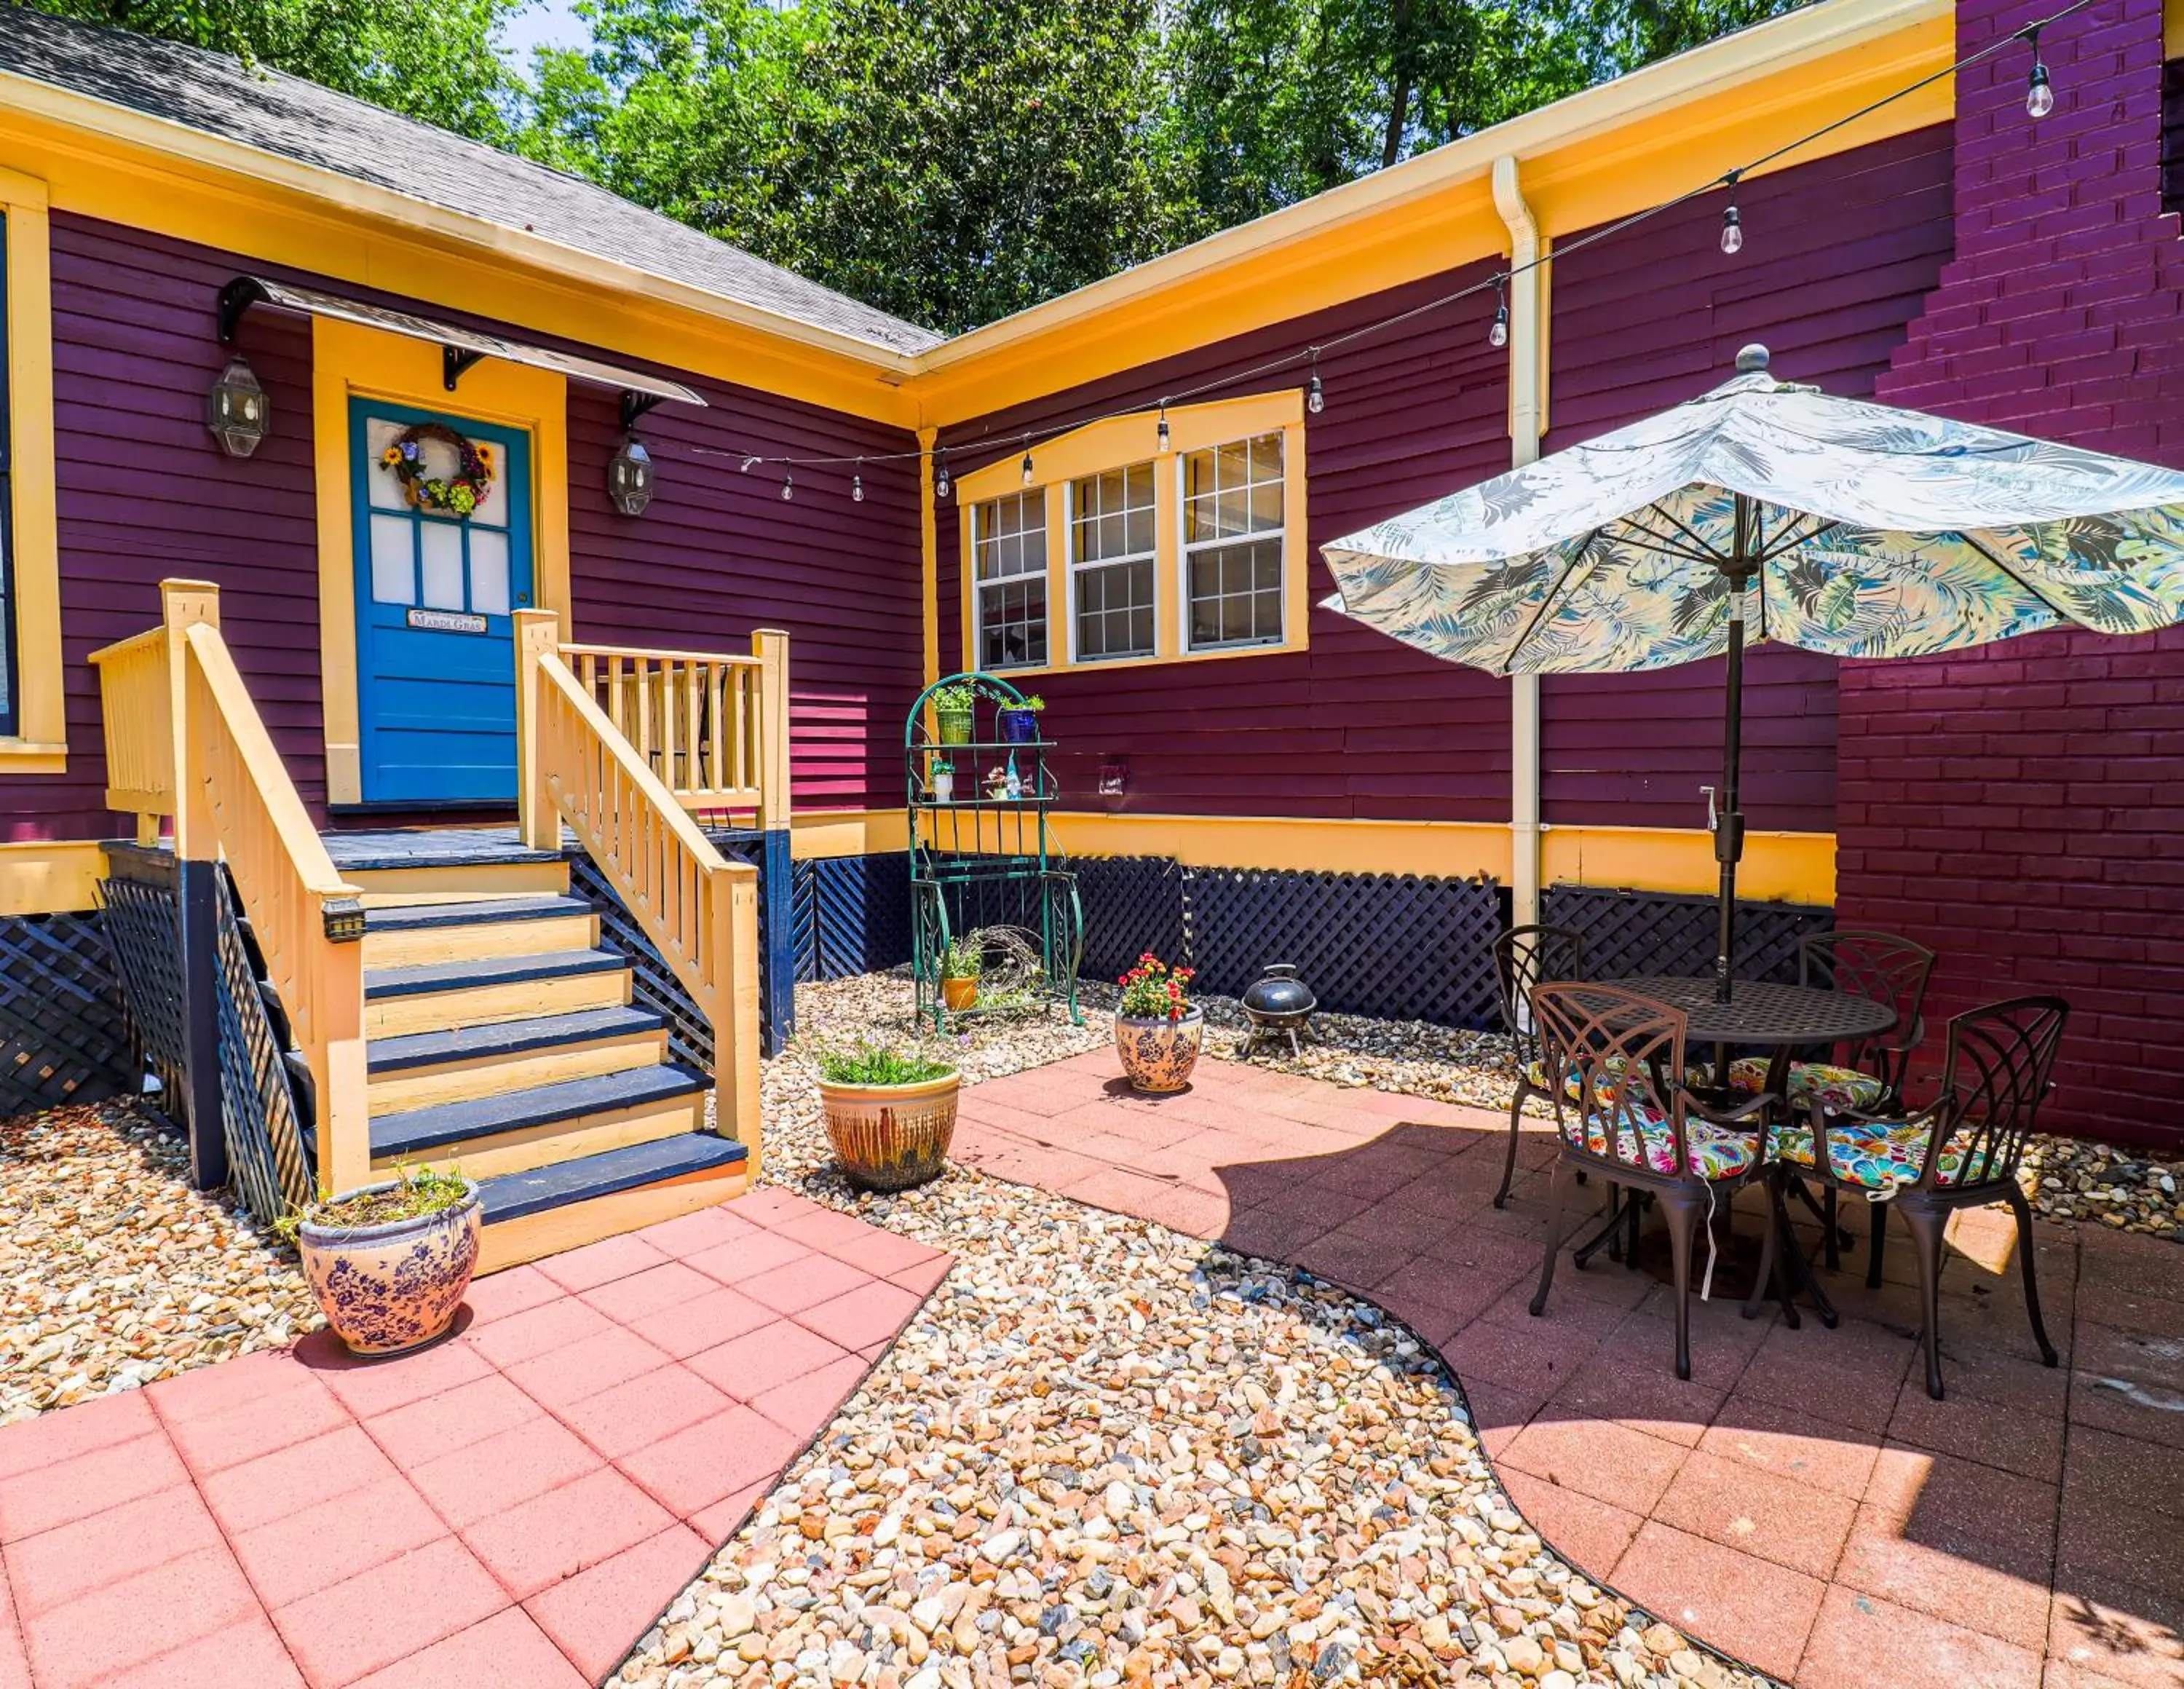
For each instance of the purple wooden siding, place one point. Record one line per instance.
(1356, 725)
(1838, 257)
(144, 492)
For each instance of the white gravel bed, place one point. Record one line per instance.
(1106, 1453)
(113, 1273)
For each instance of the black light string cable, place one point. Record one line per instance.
(2040, 100)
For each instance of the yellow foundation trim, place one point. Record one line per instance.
(1448, 848)
(1114, 443)
(1798, 866)
(847, 832)
(349, 361)
(39, 744)
(51, 878)
(929, 557)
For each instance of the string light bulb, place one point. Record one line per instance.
(942, 486)
(857, 482)
(1161, 431)
(1028, 471)
(2039, 91)
(1315, 395)
(1732, 225)
(787, 485)
(1498, 336)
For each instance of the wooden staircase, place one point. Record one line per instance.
(500, 1039)
(447, 1000)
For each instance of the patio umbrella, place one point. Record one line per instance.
(1766, 509)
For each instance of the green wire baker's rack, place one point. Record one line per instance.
(982, 855)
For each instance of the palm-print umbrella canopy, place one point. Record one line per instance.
(1766, 509)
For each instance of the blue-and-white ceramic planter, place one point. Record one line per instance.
(393, 1287)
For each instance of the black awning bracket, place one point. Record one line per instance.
(237, 297)
(634, 404)
(455, 360)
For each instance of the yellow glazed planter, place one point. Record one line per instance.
(393, 1287)
(1159, 1053)
(959, 992)
(891, 1137)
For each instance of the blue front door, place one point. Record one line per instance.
(434, 593)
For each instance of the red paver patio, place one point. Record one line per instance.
(514, 1507)
(1800, 1504)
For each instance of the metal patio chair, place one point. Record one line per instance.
(1961, 1150)
(1614, 1063)
(1523, 957)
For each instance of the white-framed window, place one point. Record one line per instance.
(1008, 550)
(1113, 599)
(1233, 538)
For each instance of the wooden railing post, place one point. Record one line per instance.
(537, 636)
(770, 645)
(184, 605)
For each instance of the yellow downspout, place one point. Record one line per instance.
(1527, 422)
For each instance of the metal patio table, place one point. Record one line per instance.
(1782, 1019)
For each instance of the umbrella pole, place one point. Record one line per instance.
(1728, 830)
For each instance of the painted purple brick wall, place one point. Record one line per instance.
(2018, 807)
(1839, 255)
(1355, 726)
(143, 494)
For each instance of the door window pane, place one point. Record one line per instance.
(440, 549)
(489, 571)
(393, 559)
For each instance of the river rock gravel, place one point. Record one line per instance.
(113, 1273)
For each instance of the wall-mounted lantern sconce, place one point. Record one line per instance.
(629, 478)
(236, 410)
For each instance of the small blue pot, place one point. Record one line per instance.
(1018, 727)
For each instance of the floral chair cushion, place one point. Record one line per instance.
(1879, 1154)
(1820, 1082)
(1714, 1152)
(1612, 1069)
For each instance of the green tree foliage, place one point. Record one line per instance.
(431, 59)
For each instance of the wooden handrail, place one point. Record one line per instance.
(576, 764)
(694, 718)
(183, 739)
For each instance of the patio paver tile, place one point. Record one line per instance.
(124, 1622)
(601, 1262)
(56, 1567)
(925, 1278)
(631, 1415)
(745, 1258)
(1609, 1462)
(369, 1387)
(316, 1547)
(791, 1290)
(666, 1287)
(46, 1497)
(2108, 1470)
(703, 1323)
(556, 1534)
(493, 1475)
(810, 1400)
(535, 1330)
(705, 1462)
(509, 1293)
(588, 1615)
(508, 1651)
(2126, 1635)
(1794, 1445)
(301, 1475)
(872, 1312)
(248, 1652)
(1931, 1497)
(2028, 1444)
(1756, 1610)
(1998, 1590)
(214, 1441)
(52, 1438)
(1271, 1234)
(562, 1377)
(388, 1614)
(753, 1363)
(1757, 1513)
(691, 1235)
(205, 1391)
(1590, 1532)
(883, 1252)
(2129, 1545)
(441, 1425)
(1861, 1640)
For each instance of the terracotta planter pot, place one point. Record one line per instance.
(891, 1137)
(1159, 1053)
(960, 994)
(390, 1288)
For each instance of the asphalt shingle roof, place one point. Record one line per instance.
(297, 120)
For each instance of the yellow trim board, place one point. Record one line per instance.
(56, 878)
(1447, 848)
(814, 833)
(349, 361)
(40, 742)
(1111, 444)
(1799, 867)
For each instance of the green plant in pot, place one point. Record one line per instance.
(890, 1115)
(954, 707)
(1158, 1030)
(389, 1263)
(1019, 719)
(960, 964)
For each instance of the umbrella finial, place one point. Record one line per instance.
(1751, 358)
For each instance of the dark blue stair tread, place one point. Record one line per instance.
(506, 1038)
(439, 847)
(502, 970)
(481, 912)
(416, 1131)
(515, 1195)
